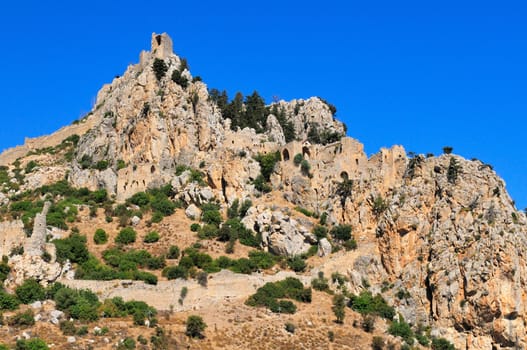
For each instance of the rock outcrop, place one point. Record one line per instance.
(439, 237)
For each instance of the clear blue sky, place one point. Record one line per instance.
(422, 74)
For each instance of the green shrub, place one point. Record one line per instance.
(26, 318)
(403, 330)
(151, 237)
(202, 278)
(4, 271)
(68, 327)
(127, 344)
(320, 283)
(350, 244)
(245, 207)
(289, 288)
(160, 68)
(208, 231)
(365, 303)
(140, 198)
(442, 344)
(323, 218)
(101, 165)
(163, 205)
(262, 260)
(233, 211)
(121, 164)
(267, 163)
(423, 340)
(179, 79)
(195, 326)
(298, 158)
(379, 205)
(8, 301)
(320, 232)
(126, 236)
(173, 272)
(195, 227)
(338, 307)
(100, 236)
(30, 291)
(261, 185)
(289, 327)
(82, 330)
(31, 344)
(157, 217)
(211, 214)
(304, 211)
(305, 167)
(341, 232)
(72, 248)
(173, 252)
(297, 264)
(78, 304)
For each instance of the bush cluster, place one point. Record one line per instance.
(93, 269)
(30, 291)
(27, 204)
(72, 248)
(366, 303)
(192, 259)
(139, 310)
(157, 200)
(271, 295)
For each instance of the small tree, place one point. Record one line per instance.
(338, 308)
(173, 252)
(195, 326)
(100, 236)
(305, 167)
(160, 68)
(202, 278)
(453, 170)
(447, 149)
(151, 237)
(30, 291)
(341, 232)
(126, 236)
(298, 158)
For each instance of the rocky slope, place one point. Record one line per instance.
(442, 231)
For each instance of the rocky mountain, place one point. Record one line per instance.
(437, 237)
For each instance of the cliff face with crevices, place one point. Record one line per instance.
(443, 229)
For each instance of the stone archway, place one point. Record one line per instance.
(306, 153)
(285, 155)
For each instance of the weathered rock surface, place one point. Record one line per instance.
(441, 231)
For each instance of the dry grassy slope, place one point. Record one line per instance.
(231, 324)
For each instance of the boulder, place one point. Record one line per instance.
(324, 247)
(193, 212)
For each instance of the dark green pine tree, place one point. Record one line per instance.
(220, 98)
(255, 112)
(234, 111)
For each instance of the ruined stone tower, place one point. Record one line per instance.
(34, 245)
(161, 45)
